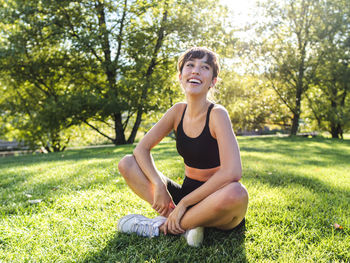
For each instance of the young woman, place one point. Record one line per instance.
(211, 194)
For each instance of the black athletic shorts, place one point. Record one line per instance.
(178, 192)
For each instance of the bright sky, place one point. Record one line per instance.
(241, 14)
(240, 10)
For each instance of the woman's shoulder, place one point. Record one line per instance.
(219, 115)
(219, 120)
(218, 109)
(178, 107)
(180, 104)
(175, 113)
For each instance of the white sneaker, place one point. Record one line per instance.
(141, 225)
(194, 237)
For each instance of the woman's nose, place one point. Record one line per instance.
(195, 70)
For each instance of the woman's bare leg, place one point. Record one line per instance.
(135, 178)
(224, 209)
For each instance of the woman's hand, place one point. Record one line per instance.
(161, 200)
(172, 225)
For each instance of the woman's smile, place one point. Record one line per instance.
(195, 81)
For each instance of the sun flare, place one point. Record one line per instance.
(241, 10)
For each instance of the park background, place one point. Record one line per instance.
(85, 73)
(91, 72)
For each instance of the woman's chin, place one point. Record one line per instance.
(194, 91)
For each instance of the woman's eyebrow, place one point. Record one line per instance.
(207, 63)
(204, 62)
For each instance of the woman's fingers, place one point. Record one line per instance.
(166, 227)
(163, 211)
(155, 207)
(177, 228)
(160, 209)
(173, 227)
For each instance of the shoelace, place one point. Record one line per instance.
(144, 228)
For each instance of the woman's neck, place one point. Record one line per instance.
(196, 106)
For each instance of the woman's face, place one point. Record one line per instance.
(197, 76)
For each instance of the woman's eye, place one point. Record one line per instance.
(189, 65)
(206, 67)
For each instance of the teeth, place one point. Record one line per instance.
(195, 81)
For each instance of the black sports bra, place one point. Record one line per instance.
(201, 152)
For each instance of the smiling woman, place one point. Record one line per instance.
(211, 194)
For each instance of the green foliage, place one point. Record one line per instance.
(294, 204)
(329, 97)
(100, 61)
(111, 65)
(251, 104)
(303, 48)
(286, 47)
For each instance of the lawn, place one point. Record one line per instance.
(63, 207)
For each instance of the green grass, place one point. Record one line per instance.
(299, 188)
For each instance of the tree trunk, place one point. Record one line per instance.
(295, 124)
(148, 75)
(296, 114)
(135, 127)
(110, 69)
(335, 125)
(336, 131)
(119, 130)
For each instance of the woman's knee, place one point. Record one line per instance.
(126, 163)
(233, 195)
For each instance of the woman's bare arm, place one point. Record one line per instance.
(143, 156)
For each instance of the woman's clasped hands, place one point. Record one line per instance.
(164, 205)
(172, 224)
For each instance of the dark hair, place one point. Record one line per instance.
(200, 52)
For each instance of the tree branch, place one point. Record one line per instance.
(96, 129)
(75, 34)
(120, 35)
(281, 97)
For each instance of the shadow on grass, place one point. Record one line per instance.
(302, 151)
(51, 188)
(68, 155)
(160, 153)
(314, 157)
(16, 179)
(218, 246)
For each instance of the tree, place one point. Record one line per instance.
(34, 81)
(286, 47)
(118, 58)
(329, 97)
(251, 103)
